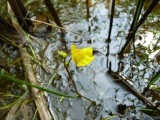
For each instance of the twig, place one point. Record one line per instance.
(20, 12)
(131, 89)
(40, 101)
(56, 19)
(54, 25)
(74, 84)
(87, 9)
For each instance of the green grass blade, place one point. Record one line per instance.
(157, 89)
(14, 103)
(8, 77)
(155, 78)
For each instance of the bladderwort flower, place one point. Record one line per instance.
(83, 56)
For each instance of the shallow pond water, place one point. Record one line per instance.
(93, 81)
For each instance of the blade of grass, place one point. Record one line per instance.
(137, 14)
(13, 103)
(34, 58)
(139, 23)
(8, 95)
(23, 35)
(146, 110)
(56, 26)
(31, 48)
(11, 78)
(53, 12)
(157, 89)
(155, 78)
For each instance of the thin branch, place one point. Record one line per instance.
(74, 84)
(53, 13)
(130, 88)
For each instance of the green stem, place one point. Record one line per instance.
(8, 77)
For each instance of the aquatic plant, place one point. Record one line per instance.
(11, 78)
(82, 57)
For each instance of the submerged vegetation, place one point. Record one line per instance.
(79, 59)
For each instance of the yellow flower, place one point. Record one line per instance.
(82, 57)
(62, 54)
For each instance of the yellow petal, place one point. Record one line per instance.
(83, 62)
(88, 51)
(73, 49)
(82, 57)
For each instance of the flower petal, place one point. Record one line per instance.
(73, 49)
(83, 62)
(88, 51)
(82, 57)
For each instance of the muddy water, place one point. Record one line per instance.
(92, 81)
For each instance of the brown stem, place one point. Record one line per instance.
(143, 18)
(74, 84)
(131, 89)
(87, 8)
(56, 19)
(20, 13)
(53, 13)
(111, 21)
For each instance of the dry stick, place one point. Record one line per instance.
(107, 54)
(53, 13)
(111, 21)
(20, 12)
(40, 100)
(54, 25)
(130, 87)
(143, 18)
(11, 115)
(55, 18)
(87, 9)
